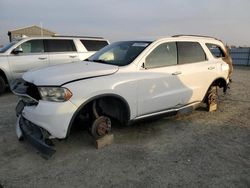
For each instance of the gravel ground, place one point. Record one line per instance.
(197, 150)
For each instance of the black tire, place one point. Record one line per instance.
(2, 85)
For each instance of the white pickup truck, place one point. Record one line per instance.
(36, 52)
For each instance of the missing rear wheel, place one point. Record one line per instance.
(212, 99)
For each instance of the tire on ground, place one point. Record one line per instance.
(2, 85)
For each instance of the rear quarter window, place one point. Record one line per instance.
(190, 52)
(94, 45)
(215, 50)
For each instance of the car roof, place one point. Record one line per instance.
(66, 37)
(177, 37)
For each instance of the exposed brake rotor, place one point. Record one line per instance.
(101, 127)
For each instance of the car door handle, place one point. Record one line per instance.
(176, 73)
(211, 68)
(72, 56)
(42, 58)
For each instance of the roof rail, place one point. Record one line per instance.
(195, 36)
(71, 36)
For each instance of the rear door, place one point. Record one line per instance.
(32, 57)
(196, 72)
(61, 51)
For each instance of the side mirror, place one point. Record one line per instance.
(143, 66)
(17, 50)
(146, 65)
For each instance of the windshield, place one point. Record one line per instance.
(7, 46)
(119, 53)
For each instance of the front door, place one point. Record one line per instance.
(31, 57)
(159, 87)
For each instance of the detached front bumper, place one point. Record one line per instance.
(39, 120)
(54, 117)
(33, 134)
(37, 123)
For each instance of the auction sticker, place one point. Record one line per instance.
(140, 44)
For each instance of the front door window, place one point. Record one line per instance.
(32, 46)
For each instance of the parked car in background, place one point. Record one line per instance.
(36, 52)
(123, 82)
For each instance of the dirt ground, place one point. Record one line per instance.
(197, 150)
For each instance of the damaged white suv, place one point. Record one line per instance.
(125, 81)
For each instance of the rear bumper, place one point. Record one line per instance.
(33, 134)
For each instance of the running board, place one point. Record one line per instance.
(169, 111)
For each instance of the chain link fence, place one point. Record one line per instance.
(240, 56)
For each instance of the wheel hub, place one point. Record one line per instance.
(101, 127)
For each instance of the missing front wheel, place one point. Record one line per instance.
(100, 127)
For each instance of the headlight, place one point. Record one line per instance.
(56, 94)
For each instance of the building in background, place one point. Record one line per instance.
(31, 31)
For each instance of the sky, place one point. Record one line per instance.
(228, 20)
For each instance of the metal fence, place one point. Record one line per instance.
(240, 56)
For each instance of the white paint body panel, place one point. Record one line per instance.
(52, 116)
(58, 75)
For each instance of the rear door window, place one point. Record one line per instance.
(215, 50)
(190, 52)
(94, 45)
(60, 45)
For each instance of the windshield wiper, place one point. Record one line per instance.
(99, 61)
(87, 59)
(96, 60)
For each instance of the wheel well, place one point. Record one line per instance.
(112, 106)
(220, 82)
(2, 74)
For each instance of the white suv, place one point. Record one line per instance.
(36, 52)
(125, 81)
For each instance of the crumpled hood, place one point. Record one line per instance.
(61, 74)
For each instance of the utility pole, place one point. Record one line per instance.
(41, 26)
(248, 58)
